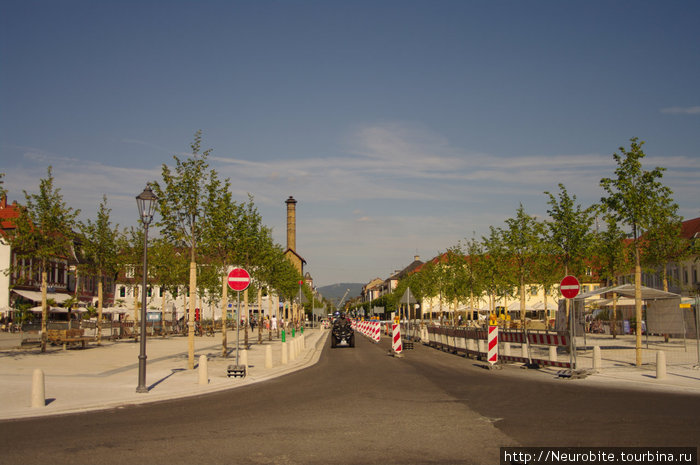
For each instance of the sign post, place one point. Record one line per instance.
(570, 288)
(238, 280)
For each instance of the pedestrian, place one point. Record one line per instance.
(274, 323)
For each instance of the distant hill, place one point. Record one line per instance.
(335, 292)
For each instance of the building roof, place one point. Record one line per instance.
(8, 213)
(690, 229)
(296, 254)
(406, 271)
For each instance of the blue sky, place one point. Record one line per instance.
(400, 127)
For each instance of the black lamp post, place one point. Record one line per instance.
(146, 201)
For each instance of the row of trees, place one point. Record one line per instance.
(203, 231)
(641, 229)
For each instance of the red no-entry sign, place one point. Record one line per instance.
(569, 287)
(238, 279)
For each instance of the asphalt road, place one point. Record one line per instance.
(361, 406)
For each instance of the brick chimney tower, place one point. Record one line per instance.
(291, 224)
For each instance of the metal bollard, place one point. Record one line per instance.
(38, 389)
(660, 364)
(597, 358)
(268, 356)
(203, 370)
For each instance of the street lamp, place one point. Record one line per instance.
(146, 201)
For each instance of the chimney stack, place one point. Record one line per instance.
(291, 223)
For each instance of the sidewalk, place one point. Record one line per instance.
(106, 376)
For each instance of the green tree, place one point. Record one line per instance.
(3, 191)
(611, 255)
(522, 239)
(569, 233)
(44, 233)
(636, 197)
(167, 267)
(181, 201)
(130, 247)
(663, 243)
(472, 250)
(99, 243)
(496, 267)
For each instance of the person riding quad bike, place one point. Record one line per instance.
(342, 332)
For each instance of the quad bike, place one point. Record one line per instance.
(342, 332)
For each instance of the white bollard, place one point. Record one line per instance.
(506, 348)
(38, 389)
(292, 350)
(268, 356)
(552, 353)
(244, 359)
(203, 370)
(597, 358)
(660, 364)
(284, 353)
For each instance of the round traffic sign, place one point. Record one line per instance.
(569, 287)
(238, 279)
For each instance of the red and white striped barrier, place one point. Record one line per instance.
(371, 329)
(493, 345)
(396, 338)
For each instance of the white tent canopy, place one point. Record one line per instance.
(35, 296)
(627, 290)
(37, 309)
(515, 306)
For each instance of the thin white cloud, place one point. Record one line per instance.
(694, 110)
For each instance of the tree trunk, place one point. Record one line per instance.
(246, 319)
(162, 311)
(224, 314)
(471, 302)
(522, 301)
(190, 317)
(136, 305)
(638, 303)
(259, 316)
(44, 311)
(99, 309)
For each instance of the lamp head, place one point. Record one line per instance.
(146, 201)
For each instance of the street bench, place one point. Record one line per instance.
(68, 336)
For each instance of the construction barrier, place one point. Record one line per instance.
(396, 338)
(370, 329)
(493, 345)
(537, 348)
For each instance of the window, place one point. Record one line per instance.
(160, 291)
(122, 291)
(129, 272)
(149, 291)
